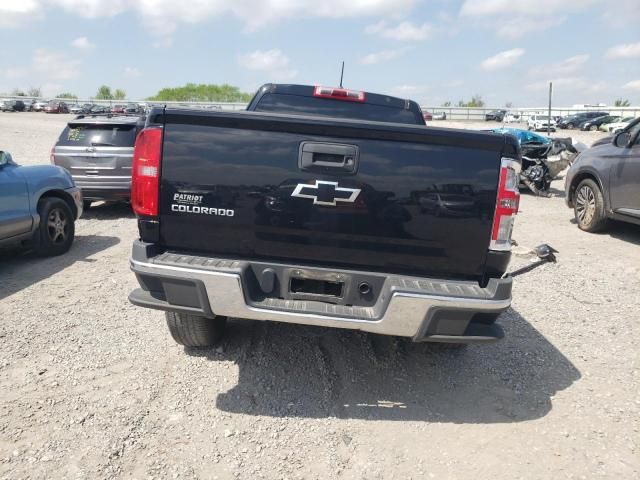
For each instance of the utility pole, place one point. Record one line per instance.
(549, 120)
(341, 74)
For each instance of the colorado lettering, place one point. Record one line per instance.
(221, 212)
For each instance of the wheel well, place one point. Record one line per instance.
(62, 195)
(576, 181)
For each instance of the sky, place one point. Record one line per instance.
(431, 51)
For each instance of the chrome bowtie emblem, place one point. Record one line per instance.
(326, 193)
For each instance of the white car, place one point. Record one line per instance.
(39, 105)
(512, 117)
(619, 126)
(541, 122)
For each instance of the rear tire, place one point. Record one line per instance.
(195, 331)
(86, 204)
(588, 207)
(570, 125)
(56, 229)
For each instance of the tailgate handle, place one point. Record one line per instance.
(328, 157)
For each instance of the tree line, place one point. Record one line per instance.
(192, 92)
(477, 102)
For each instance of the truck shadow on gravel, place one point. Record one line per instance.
(296, 371)
(19, 269)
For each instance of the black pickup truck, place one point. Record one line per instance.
(323, 206)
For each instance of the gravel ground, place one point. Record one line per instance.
(93, 387)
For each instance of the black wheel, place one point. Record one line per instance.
(86, 204)
(570, 125)
(56, 230)
(593, 128)
(194, 331)
(588, 207)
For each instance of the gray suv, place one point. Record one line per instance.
(604, 182)
(97, 151)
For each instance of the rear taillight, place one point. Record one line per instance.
(145, 176)
(339, 94)
(506, 205)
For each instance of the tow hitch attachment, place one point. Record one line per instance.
(544, 252)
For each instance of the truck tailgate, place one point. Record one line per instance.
(330, 192)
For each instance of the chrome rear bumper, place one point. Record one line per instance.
(420, 308)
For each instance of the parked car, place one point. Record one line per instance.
(609, 139)
(38, 206)
(593, 124)
(617, 127)
(541, 122)
(99, 109)
(572, 121)
(56, 107)
(12, 106)
(97, 150)
(260, 216)
(132, 108)
(605, 126)
(439, 116)
(604, 182)
(28, 105)
(512, 117)
(19, 106)
(428, 116)
(496, 115)
(117, 109)
(39, 105)
(76, 109)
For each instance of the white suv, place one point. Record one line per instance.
(541, 122)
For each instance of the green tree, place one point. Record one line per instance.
(17, 93)
(119, 94)
(508, 105)
(476, 101)
(446, 104)
(34, 92)
(104, 93)
(67, 95)
(192, 92)
(622, 103)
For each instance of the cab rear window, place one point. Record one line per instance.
(98, 136)
(312, 106)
